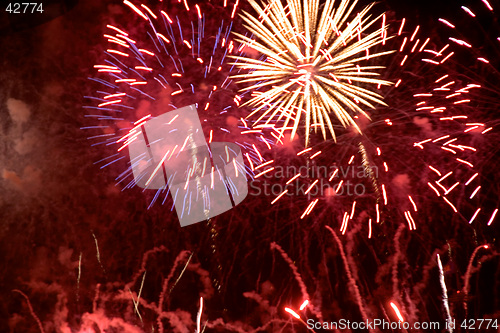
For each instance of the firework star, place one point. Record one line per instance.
(313, 66)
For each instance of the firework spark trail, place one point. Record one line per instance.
(144, 261)
(96, 297)
(468, 273)
(458, 38)
(298, 278)
(182, 273)
(156, 309)
(445, 294)
(136, 303)
(311, 59)
(297, 316)
(396, 258)
(198, 317)
(396, 311)
(180, 257)
(78, 277)
(175, 320)
(398, 314)
(98, 255)
(32, 312)
(352, 283)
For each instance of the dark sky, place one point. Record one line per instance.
(432, 8)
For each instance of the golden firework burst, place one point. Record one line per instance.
(312, 63)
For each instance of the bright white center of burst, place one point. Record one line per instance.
(306, 74)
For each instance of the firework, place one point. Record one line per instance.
(166, 62)
(477, 52)
(445, 291)
(482, 49)
(312, 64)
(366, 177)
